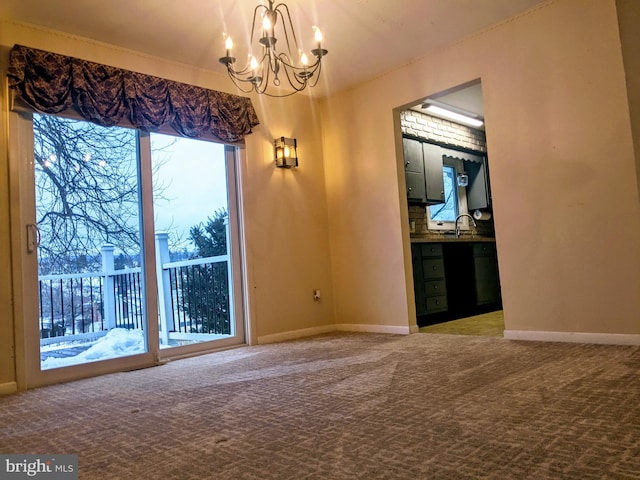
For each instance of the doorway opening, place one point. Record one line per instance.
(450, 210)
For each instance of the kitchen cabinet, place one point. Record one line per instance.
(454, 279)
(423, 172)
(414, 171)
(475, 166)
(487, 282)
(478, 191)
(429, 278)
(432, 155)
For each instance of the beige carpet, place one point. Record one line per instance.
(349, 406)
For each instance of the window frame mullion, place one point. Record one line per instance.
(145, 185)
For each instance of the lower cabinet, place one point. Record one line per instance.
(429, 278)
(454, 280)
(487, 282)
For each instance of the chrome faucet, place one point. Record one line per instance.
(473, 221)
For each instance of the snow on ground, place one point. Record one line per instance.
(119, 342)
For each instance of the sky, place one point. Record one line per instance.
(193, 175)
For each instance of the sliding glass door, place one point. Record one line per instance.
(195, 241)
(128, 247)
(87, 220)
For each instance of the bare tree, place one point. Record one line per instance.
(87, 191)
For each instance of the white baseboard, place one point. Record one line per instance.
(573, 337)
(357, 327)
(344, 327)
(8, 388)
(294, 334)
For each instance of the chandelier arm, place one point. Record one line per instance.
(300, 74)
(261, 86)
(300, 83)
(245, 70)
(318, 68)
(286, 30)
(253, 25)
(285, 60)
(239, 83)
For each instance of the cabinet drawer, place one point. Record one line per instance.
(484, 249)
(431, 249)
(437, 304)
(433, 267)
(435, 288)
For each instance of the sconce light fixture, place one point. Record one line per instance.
(286, 151)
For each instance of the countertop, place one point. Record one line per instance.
(451, 239)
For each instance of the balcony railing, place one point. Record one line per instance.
(194, 299)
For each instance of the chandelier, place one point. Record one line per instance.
(269, 66)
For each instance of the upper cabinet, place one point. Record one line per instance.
(424, 175)
(478, 192)
(423, 172)
(414, 171)
(433, 173)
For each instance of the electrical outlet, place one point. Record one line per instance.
(316, 295)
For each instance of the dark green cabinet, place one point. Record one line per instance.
(487, 282)
(423, 172)
(414, 171)
(475, 166)
(433, 178)
(478, 192)
(454, 280)
(429, 278)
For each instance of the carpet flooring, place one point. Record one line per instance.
(349, 406)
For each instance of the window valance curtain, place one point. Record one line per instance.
(52, 83)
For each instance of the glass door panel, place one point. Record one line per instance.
(193, 242)
(90, 279)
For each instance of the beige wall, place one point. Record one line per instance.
(563, 174)
(285, 211)
(629, 19)
(564, 181)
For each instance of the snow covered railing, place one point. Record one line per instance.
(83, 304)
(194, 299)
(194, 295)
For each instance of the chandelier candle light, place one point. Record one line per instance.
(273, 64)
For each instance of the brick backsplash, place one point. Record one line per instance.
(447, 133)
(442, 131)
(418, 216)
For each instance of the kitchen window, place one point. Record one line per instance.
(442, 216)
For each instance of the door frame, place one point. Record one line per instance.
(27, 334)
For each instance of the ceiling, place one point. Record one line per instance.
(365, 38)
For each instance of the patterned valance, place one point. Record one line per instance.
(52, 83)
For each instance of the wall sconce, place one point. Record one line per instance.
(286, 152)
